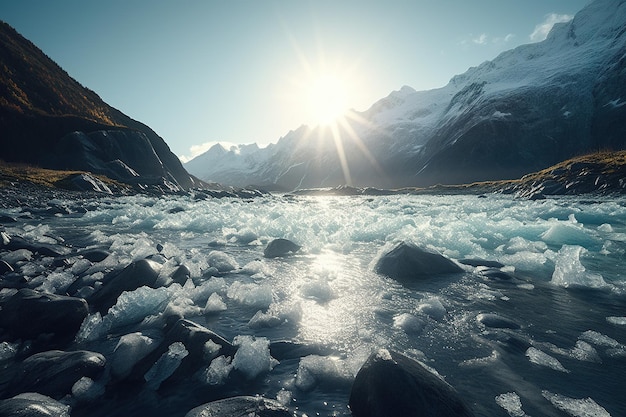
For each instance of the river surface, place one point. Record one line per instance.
(564, 287)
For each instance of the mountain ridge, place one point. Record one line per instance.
(42, 106)
(527, 109)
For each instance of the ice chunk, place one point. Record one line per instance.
(606, 228)
(17, 256)
(57, 282)
(218, 371)
(92, 328)
(86, 389)
(314, 370)
(570, 272)
(409, 323)
(251, 294)
(257, 269)
(214, 304)
(319, 290)
(432, 307)
(130, 349)
(284, 397)
(620, 321)
(511, 402)
(165, 366)
(585, 407)
(222, 261)
(134, 306)
(599, 339)
(543, 359)
(278, 314)
(568, 233)
(253, 356)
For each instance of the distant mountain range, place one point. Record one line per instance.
(529, 108)
(48, 119)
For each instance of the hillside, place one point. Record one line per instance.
(48, 119)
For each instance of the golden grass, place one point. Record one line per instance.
(11, 172)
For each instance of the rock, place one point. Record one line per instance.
(407, 262)
(390, 384)
(496, 274)
(54, 372)
(84, 182)
(280, 247)
(33, 405)
(195, 338)
(17, 242)
(496, 321)
(481, 262)
(94, 255)
(138, 274)
(28, 314)
(181, 275)
(241, 407)
(4, 219)
(5, 267)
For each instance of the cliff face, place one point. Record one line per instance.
(43, 110)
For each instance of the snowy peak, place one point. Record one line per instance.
(528, 108)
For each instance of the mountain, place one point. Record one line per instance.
(527, 109)
(48, 119)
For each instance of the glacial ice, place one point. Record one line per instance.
(570, 272)
(130, 349)
(543, 359)
(251, 294)
(165, 366)
(86, 389)
(217, 372)
(214, 304)
(314, 370)
(222, 261)
(512, 403)
(253, 356)
(585, 407)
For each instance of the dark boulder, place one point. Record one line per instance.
(83, 182)
(16, 242)
(138, 274)
(28, 314)
(195, 338)
(481, 262)
(406, 262)
(280, 247)
(241, 407)
(390, 384)
(33, 405)
(94, 255)
(54, 372)
(5, 267)
(181, 275)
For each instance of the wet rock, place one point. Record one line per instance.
(390, 384)
(280, 247)
(241, 407)
(94, 255)
(195, 338)
(181, 275)
(28, 314)
(84, 182)
(5, 267)
(497, 322)
(33, 405)
(496, 274)
(481, 262)
(54, 372)
(407, 262)
(4, 219)
(138, 274)
(16, 242)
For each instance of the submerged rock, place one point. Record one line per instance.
(406, 262)
(138, 274)
(280, 247)
(481, 262)
(390, 384)
(33, 405)
(244, 406)
(55, 372)
(27, 314)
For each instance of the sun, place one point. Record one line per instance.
(327, 99)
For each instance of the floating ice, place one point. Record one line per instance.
(222, 261)
(620, 321)
(130, 349)
(585, 407)
(134, 306)
(314, 370)
(253, 356)
(570, 272)
(165, 366)
(16, 256)
(218, 371)
(214, 304)
(257, 269)
(408, 323)
(543, 359)
(568, 233)
(318, 289)
(254, 295)
(57, 282)
(278, 314)
(8, 350)
(433, 307)
(511, 402)
(606, 228)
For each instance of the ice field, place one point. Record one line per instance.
(542, 335)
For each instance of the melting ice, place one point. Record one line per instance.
(323, 310)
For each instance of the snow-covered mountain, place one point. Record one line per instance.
(529, 108)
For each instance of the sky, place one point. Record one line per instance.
(243, 71)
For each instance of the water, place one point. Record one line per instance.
(568, 296)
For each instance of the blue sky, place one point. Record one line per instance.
(243, 71)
